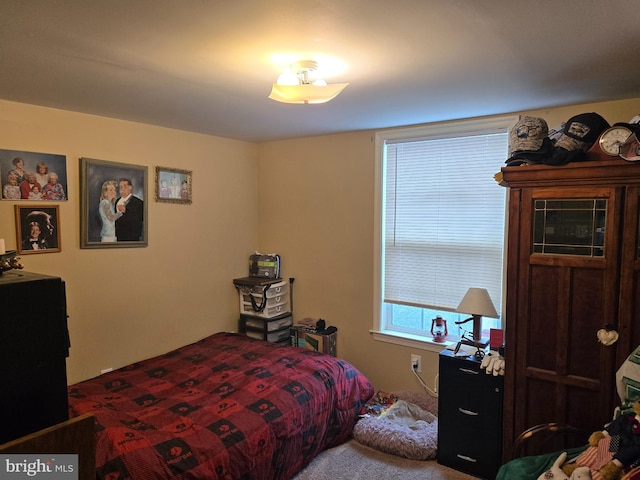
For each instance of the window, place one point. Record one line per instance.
(440, 220)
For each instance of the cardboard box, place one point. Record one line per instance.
(308, 338)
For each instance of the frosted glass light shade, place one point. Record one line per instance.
(306, 93)
(288, 78)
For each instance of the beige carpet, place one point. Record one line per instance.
(354, 461)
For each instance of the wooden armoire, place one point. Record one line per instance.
(573, 264)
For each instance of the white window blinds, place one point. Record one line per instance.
(443, 218)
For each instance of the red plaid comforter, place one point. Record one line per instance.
(226, 407)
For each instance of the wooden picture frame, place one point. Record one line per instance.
(37, 229)
(113, 223)
(173, 185)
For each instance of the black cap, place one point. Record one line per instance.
(581, 131)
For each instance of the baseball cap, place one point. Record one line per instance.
(581, 131)
(542, 155)
(527, 135)
(633, 124)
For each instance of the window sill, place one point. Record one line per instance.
(412, 341)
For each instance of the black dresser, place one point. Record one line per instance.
(34, 345)
(469, 416)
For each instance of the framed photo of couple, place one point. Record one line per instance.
(113, 204)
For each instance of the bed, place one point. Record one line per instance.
(225, 407)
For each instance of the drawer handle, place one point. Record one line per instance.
(468, 459)
(468, 412)
(466, 370)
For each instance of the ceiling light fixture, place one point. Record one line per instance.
(298, 85)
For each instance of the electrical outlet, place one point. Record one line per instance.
(416, 363)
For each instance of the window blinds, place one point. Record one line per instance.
(444, 219)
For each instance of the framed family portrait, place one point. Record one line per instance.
(33, 176)
(173, 185)
(37, 229)
(113, 204)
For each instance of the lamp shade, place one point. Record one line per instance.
(306, 93)
(477, 302)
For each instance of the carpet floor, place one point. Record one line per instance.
(354, 461)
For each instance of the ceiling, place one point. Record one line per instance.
(207, 65)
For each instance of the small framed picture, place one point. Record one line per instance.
(113, 205)
(173, 185)
(37, 229)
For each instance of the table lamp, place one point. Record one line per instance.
(477, 303)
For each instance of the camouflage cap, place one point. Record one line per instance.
(527, 135)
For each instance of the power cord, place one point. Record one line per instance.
(434, 392)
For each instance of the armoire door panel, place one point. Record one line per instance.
(580, 406)
(543, 321)
(547, 402)
(542, 402)
(565, 400)
(566, 309)
(589, 311)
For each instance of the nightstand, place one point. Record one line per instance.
(469, 416)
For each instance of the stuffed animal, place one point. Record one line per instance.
(626, 430)
(556, 471)
(581, 473)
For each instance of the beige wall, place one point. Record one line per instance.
(128, 304)
(316, 210)
(311, 200)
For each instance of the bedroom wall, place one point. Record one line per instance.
(126, 304)
(316, 210)
(310, 199)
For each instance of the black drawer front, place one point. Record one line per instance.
(461, 419)
(479, 408)
(474, 454)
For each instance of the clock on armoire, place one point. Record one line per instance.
(34, 345)
(573, 267)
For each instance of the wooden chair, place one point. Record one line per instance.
(548, 437)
